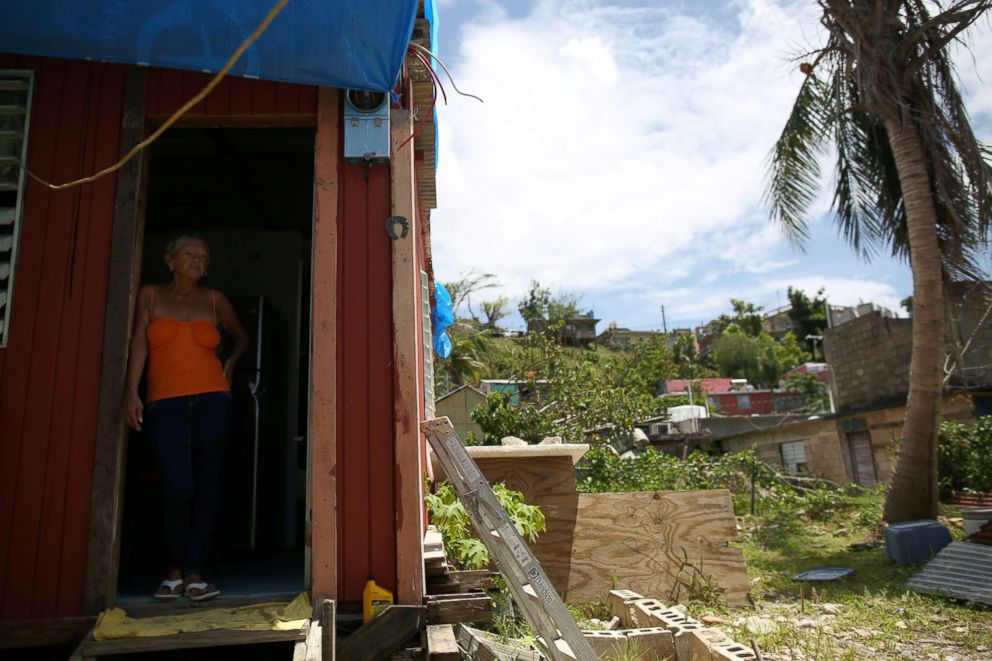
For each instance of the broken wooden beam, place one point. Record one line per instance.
(383, 634)
(453, 608)
(441, 643)
(328, 629)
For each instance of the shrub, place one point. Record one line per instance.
(965, 456)
(461, 543)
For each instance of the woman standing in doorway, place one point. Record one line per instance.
(187, 407)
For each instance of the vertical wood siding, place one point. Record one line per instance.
(50, 370)
(366, 503)
(169, 89)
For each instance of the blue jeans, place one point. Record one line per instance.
(189, 436)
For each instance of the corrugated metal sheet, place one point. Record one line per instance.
(50, 370)
(962, 570)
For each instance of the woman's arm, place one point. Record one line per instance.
(229, 321)
(133, 408)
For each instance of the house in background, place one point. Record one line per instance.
(457, 406)
(777, 322)
(580, 330)
(624, 338)
(291, 176)
(868, 358)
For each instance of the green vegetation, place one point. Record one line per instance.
(869, 614)
(965, 456)
(461, 544)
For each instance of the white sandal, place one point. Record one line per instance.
(172, 586)
(213, 594)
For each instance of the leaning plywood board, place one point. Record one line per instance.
(664, 544)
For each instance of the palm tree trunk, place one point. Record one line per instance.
(912, 492)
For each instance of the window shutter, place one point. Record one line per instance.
(15, 109)
(425, 298)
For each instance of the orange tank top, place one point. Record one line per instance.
(181, 358)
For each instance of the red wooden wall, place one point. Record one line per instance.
(169, 89)
(50, 370)
(49, 374)
(366, 492)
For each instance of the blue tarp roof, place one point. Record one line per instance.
(332, 43)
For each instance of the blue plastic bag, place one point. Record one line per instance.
(442, 316)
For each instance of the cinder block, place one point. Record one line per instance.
(731, 652)
(606, 643)
(619, 603)
(683, 636)
(703, 641)
(670, 617)
(643, 613)
(654, 644)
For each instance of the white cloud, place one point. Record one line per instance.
(621, 151)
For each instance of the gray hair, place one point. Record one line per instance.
(172, 247)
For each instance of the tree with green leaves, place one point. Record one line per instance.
(910, 176)
(808, 315)
(811, 390)
(746, 316)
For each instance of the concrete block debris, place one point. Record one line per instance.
(650, 644)
(620, 603)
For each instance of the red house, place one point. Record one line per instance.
(330, 256)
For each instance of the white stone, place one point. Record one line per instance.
(552, 440)
(512, 440)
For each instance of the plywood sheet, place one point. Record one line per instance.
(549, 482)
(661, 544)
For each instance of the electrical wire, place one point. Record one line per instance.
(433, 74)
(423, 122)
(431, 55)
(175, 116)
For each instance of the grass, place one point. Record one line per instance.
(868, 615)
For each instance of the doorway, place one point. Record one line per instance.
(862, 459)
(248, 192)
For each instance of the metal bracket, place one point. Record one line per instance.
(391, 224)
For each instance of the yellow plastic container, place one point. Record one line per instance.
(375, 598)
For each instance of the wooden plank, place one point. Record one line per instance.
(33, 633)
(383, 634)
(107, 493)
(474, 579)
(408, 397)
(322, 449)
(189, 640)
(329, 629)
(441, 643)
(451, 609)
(309, 648)
(656, 543)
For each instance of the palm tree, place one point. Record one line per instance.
(910, 177)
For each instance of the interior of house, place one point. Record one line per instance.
(248, 192)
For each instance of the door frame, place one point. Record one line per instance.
(127, 237)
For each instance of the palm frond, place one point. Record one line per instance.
(793, 178)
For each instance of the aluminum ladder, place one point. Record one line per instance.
(531, 589)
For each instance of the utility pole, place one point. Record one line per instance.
(664, 324)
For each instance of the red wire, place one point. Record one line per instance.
(433, 73)
(436, 84)
(430, 112)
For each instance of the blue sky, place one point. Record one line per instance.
(620, 155)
